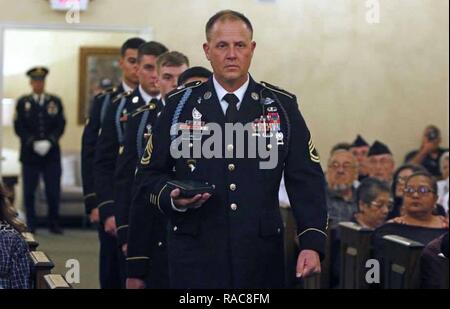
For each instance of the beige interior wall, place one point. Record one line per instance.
(386, 81)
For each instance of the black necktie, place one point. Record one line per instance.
(232, 100)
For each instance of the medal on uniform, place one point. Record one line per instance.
(207, 95)
(196, 115)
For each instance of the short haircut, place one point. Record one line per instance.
(132, 43)
(369, 189)
(340, 146)
(151, 48)
(425, 174)
(227, 15)
(171, 59)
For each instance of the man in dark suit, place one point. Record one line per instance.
(109, 265)
(40, 124)
(233, 238)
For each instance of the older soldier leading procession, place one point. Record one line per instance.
(167, 122)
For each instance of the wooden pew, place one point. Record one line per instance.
(400, 262)
(31, 241)
(42, 266)
(355, 251)
(56, 282)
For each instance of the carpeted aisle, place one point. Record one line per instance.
(78, 244)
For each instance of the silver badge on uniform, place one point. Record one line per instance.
(268, 101)
(196, 114)
(255, 96)
(207, 95)
(135, 99)
(272, 109)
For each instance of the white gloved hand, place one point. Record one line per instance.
(42, 147)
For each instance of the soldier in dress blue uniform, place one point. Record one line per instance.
(233, 238)
(111, 137)
(109, 264)
(40, 124)
(169, 66)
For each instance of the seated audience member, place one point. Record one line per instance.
(432, 265)
(381, 162)
(430, 151)
(374, 203)
(341, 173)
(14, 262)
(398, 186)
(360, 149)
(443, 184)
(417, 221)
(419, 201)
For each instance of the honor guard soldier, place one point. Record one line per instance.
(111, 137)
(109, 254)
(40, 124)
(232, 237)
(147, 254)
(169, 66)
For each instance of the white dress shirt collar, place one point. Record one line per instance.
(146, 97)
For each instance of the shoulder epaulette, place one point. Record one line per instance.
(122, 95)
(142, 109)
(183, 88)
(106, 91)
(278, 90)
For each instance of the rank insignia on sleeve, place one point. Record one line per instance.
(148, 151)
(52, 109)
(313, 154)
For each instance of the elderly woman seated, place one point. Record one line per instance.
(374, 203)
(14, 262)
(417, 221)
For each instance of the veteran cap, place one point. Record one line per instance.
(37, 73)
(359, 142)
(378, 148)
